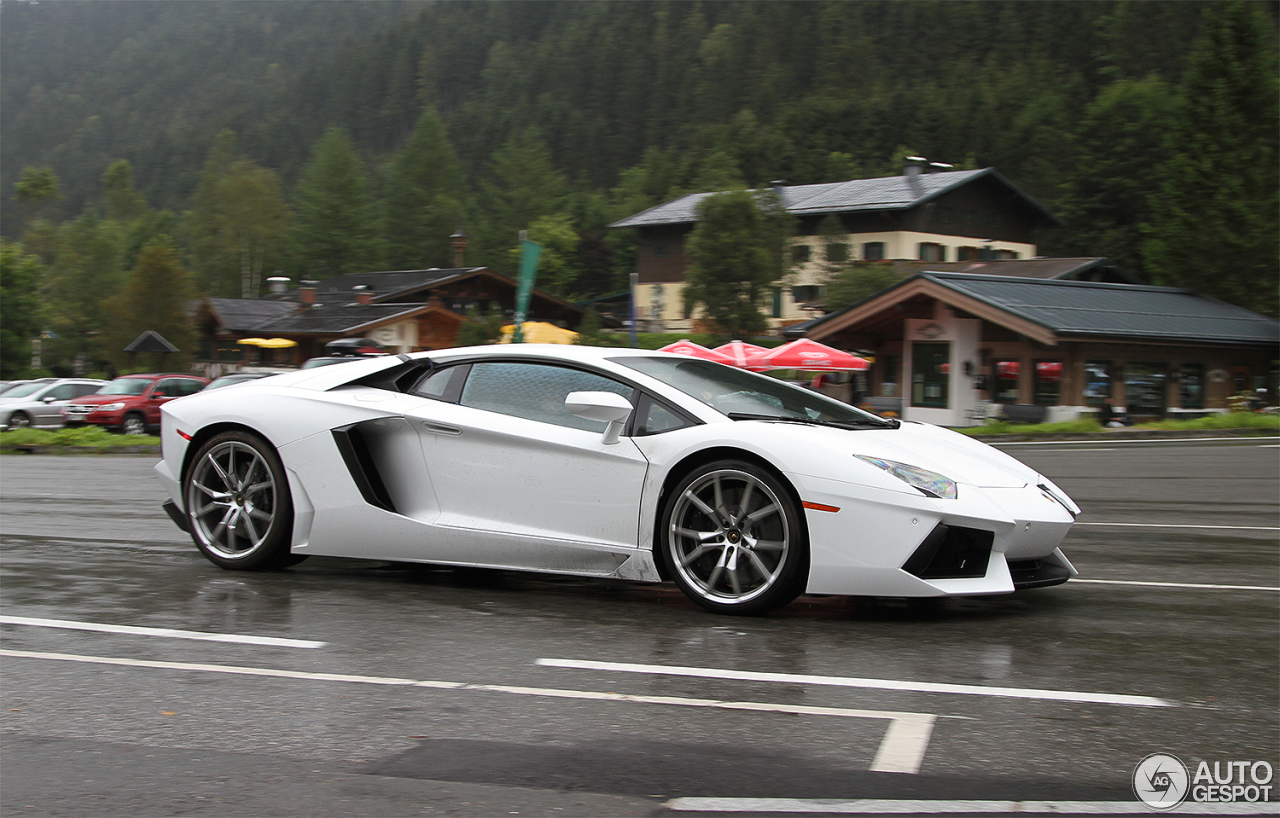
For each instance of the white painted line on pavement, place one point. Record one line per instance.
(877, 806)
(1186, 525)
(901, 750)
(170, 633)
(878, 684)
(1177, 585)
(1148, 441)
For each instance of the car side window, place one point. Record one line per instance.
(535, 391)
(167, 388)
(443, 384)
(81, 389)
(62, 391)
(653, 417)
(188, 386)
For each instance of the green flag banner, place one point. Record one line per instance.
(530, 252)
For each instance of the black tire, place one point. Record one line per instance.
(238, 506)
(733, 539)
(19, 420)
(133, 424)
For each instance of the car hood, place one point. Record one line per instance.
(949, 453)
(93, 400)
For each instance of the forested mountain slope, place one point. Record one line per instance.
(592, 110)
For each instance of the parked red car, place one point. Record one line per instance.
(131, 403)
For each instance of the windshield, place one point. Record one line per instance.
(23, 390)
(126, 386)
(732, 391)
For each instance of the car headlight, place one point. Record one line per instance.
(926, 482)
(110, 407)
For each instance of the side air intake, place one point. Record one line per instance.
(952, 552)
(354, 448)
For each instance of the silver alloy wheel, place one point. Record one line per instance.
(19, 420)
(231, 500)
(134, 425)
(729, 536)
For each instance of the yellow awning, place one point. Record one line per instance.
(540, 332)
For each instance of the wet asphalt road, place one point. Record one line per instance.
(516, 707)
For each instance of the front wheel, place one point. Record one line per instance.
(733, 539)
(19, 420)
(238, 506)
(134, 424)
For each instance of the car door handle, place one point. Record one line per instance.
(440, 428)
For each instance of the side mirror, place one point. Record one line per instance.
(606, 406)
(159, 393)
(48, 399)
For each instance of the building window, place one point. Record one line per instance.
(806, 292)
(837, 251)
(1007, 254)
(1047, 385)
(659, 250)
(873, 251)
(800, 254)
(1191, 386)
(930, 374)
(968, 253)
(932, 251)
(1097, 382)
(1144, 388)
(1006, 378)
(777, 302)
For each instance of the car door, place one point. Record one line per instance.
(537, 485)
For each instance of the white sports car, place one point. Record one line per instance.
(743, 490)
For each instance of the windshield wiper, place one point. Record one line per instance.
(873, 423)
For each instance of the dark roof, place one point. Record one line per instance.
(1094, 309)
(1070, 269)
(245, 314)
(150, 341)
(385, 284)
(887, 193)
(328, 319)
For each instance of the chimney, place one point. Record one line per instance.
(363, 294)
(459, 242)
(915, 166)
(307, 292)
(277, 284)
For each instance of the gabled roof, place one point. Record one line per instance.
(1052, 310)
(1068, 269)
(384, 285)
(344, 318)
(237, 314)
(887, 193)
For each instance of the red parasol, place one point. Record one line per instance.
(687, 347)
(740, 352)
(810, 356)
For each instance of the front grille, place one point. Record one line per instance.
(81, 407)
(952, 552)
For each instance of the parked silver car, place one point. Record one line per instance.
(39, 403)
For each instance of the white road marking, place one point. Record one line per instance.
(1148, 441)
(875, 806)
(901, 750)
(878, 684)
(1177, 585)
(1185, 525)
(170, 633)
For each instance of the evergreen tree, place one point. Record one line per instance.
(1122, 140)
(735, 255)
(523, 185)
(334, 233)
(20, 318)
(857, 282)
(123, 203)
(425, 195)
(156, 298)
(88, 270)
(1214, 220)
(557, 271)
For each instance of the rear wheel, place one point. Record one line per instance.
(134, 424)
(19, 420)
(733, 539)
(238, 503)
